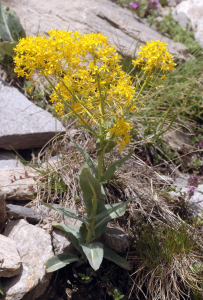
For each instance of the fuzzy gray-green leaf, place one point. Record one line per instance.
(10, 28)
(94, 253)
(117, 259)
(66, 212)
(90, 187)
(73, 232)
(7, 48)
(86, 156)
(59, 261)
(112, 211)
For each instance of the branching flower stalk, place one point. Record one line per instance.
(87, 80)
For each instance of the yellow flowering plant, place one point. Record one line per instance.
(87, 79)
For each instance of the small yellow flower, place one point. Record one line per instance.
(121, 132)
(155, 56)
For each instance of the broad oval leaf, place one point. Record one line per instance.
(59, 261)
(7, 48)
(111, 170)
(94, 253)
(86, 156)
(91, 187)
(117, 259)
(10, 28)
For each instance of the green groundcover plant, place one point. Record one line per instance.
(87, 80)
(10, 32)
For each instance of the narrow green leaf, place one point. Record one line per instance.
(99, 230)
(117, 259)
(86, 156)
(112, 211)
(94, 253)
(1, 288)
(109, 145)
(91, 188)
(66, 212)
(10, 28)
(111, 170)
(74, 234)
(59, 261)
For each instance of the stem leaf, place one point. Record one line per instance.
(59, 261)
(74, 234)
(117, 259)
(1, 289)
(91, 188)
(10, 28)
(86, 156)
(66, 212)
(94, 253)
(111, 170)
(111, 211)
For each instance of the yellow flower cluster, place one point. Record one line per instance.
(88, 77)
(155, 56)
(121, 132)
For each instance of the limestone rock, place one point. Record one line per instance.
(25, 125)
(196, 201)
(18, 184)
(121, 27)
(2, 210)
(8, 160)
(34, 247)
(20, 212)
(193, 10)
(116, 239)
(61, 242)
(177, 138)
(10, 262)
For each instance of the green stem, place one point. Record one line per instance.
(138, 95)
(100, 163)
(69, 106)
(90, 114)
(175, 115)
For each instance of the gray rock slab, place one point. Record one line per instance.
(21, 212)
(16, 185)
(10, 261)
(121, 27)
(61, 242)
(8, 160)
(116, 239)
(2, 210)
(193, 10)
(22, 123)
(196, 201)
(35, 248)
(176, 139)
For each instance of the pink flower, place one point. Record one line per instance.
(191, 192)
(134, 5)
(201, 144)
(193, 181)
(154, 4)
